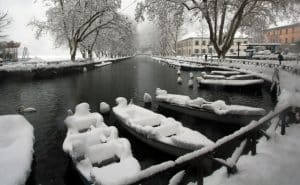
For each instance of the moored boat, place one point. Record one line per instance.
(16, 149)
(165, 134)
(230, 83)
(96, 150)
(216, 111)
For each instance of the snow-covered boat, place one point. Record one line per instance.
(193, 67)
(98, 154)
(227, 73)
(103, 64)
(230, 83)
(158, 131)
(16, 149)
(216, 111)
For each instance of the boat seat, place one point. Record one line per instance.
(146, 120)
(169, 127)
(105, 151)
(116, 173)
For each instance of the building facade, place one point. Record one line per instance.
(285, 35)
(9, 51)
(195, 46)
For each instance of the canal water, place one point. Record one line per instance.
(130, 78)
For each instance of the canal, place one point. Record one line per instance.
(130, 78)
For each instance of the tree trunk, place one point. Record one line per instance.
(83, 53)
(73, 44)
(90, 54)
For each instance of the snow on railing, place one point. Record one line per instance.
(249, 135)
(292, 66)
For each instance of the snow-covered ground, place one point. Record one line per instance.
(276, 163)
(37, 63)
(16, 149)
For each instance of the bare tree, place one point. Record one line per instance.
(73, 21)
(4, 22)
(225, 17)
(168, 18)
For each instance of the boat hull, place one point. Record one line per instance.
(209, 115)
(166, 148)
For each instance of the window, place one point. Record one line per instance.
(196, 42)
(231, 50)
(293, 39)
(293, 29)
(245, 42)
(286, 40)
(197, 50)
(203, 51)
(203, 42)
(287, 31)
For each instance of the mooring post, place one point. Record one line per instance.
(283, 124)
(199, 173)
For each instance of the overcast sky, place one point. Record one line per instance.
(23, 11)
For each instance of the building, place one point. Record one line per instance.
(9, 51)
(285, 35)
(194, 46)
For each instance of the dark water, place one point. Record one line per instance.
(131, 79)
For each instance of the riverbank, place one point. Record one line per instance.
(289, 73)
(40, 70)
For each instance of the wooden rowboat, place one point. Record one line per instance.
(234, 119)
(169, 144)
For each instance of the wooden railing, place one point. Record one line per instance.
(249, 135)
(258, 63)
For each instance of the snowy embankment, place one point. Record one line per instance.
(16, 149)
(36, 65)
(276, 163)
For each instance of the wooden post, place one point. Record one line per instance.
(283, 124)
(200, 173)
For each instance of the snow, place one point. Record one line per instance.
(276, 163)
(225, 72)
(82, 118)
(240, 77)
(229, 82)
(179, 80)
(16, 149)
(104, 108)
(103, 64)
(176, 179)
(190, 83)
(116, 173)
(191, 75)
(158, 127)
(98, 144)
(206, 76)
(219, 107)
(150, 171)
(40, 64)
(147, 98)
